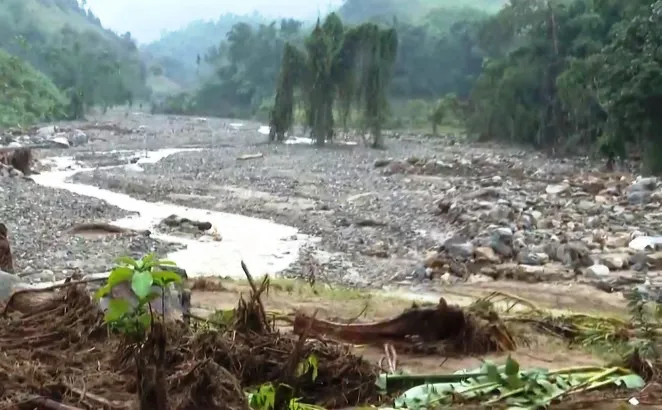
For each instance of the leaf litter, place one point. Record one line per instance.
(57, 353)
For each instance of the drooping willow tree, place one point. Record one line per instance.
(340, 69)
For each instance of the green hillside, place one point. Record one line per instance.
(27, 95)
(90, 65)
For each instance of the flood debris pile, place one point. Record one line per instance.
(57, 349)
(441, 329)
(45, 137)
(15, 162)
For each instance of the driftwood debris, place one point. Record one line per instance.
(19, 158)
(250, 156)
(104, 228)
(58, 354)
(456, 329)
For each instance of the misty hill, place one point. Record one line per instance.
(356, 11)
(176, 52)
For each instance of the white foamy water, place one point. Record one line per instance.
(265, 246)
(264, 130)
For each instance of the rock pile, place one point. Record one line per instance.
(52, 135)
(195, 229)
(506, 219)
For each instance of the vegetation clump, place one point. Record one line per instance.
(27, 95)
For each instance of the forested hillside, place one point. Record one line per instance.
(245, 66)
(88, 64)
(176, 52)
(434, 59)
(27, 95)
(570, 76)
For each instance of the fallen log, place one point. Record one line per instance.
(430, 324)
(249, 156)
(104, 228)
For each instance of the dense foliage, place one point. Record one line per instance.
(90, 65)
(26, 95)
(245, 68)
(573, 75)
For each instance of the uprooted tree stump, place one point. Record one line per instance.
(458, 331)
(19, 158)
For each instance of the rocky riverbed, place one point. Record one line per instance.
(39, 221)
(426, 210)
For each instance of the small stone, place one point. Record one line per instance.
(557, 189)
(638, 197)
(380, 163)
(597, 271)
(614, 261)
(655, 260)
(644, 184)
(486, 254)
(618, 241)
(533, 258)
(587, 206)
(459, 248)
(599, 199)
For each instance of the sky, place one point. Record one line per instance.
(146, 19)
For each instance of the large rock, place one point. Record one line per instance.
(77, 138)
(8, 284)
(177, 299)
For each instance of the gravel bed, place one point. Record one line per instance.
(369, 224)
(38, 220)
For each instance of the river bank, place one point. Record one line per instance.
(427, 212)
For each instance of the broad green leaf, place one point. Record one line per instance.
(514, 382)
(631, 381)
(148, 261)
(141, 284)
(165, 277)
(127, 260)
(165, 262)
(145, 320)
(118, 275)
(103, 291)
(152, 296)
(314, 363)
(512, 367)
(116, 309)
(492, 373)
